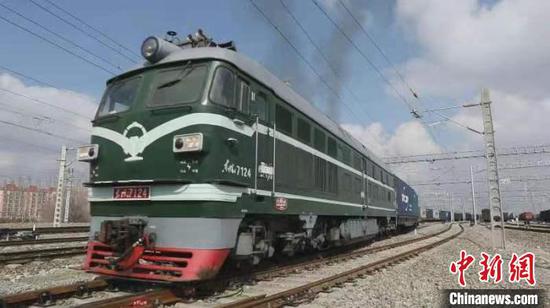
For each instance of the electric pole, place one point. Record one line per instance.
(495, 204)
(60, 187)
(473, 194)
(67, 201)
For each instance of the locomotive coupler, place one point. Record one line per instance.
(127, 239)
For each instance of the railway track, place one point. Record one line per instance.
(50, 230)
(308, 291)
(531, 229)
(167, 295)
(42, 241)
(38, 254)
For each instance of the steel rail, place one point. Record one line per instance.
(43, 241)
(49, 230)
(42, 296)
(18, 256)
(531, 229)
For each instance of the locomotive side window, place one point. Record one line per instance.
(283, 119)
(179, 86)
(319, 140)
(244, 97)
(331, 147)
(258, 105)
(119, 96)
(304, 131)
(370, 168)
(223, 87)
(346, 155)
(357, 162)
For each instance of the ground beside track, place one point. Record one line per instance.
(419, 281)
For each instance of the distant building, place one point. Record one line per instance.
(25, 204)
(1, 203)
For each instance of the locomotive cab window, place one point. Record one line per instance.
(258, 105)
(331, 147)
(304, 131)
(223, 87)
(283, 119)
(319, 140)
(244, 97)
(119, 96)
(181, 85)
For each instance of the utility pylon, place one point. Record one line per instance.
(495, 204)
(60, 187)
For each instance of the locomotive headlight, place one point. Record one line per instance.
(188, 143)
(149, 47)
(154, 49)
(88, 152)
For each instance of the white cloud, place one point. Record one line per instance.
(410, 138)
(24, 152)
(466, 45)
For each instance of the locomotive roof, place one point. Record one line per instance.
(260, 73)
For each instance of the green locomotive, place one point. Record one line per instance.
(201, 155)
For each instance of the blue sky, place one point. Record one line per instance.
(129, 22)
(446, 50)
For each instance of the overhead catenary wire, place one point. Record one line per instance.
(39, 131)
(93, 28)
(302, 57)
(76, 27)
(318, 49)
(373, 66)
(20, 111)
(69, 41)
(380, 50)
(26, 76)
(35, 100)
(15, 24)
(364, 56)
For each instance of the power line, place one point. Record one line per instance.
(60, 36)
(371, 39)
(56, 44)
(26, 76)
(81, 30)
(45, 103)
(371, 64)
(302, 57)
(93, 28)
(39, 131)
(364, 56)
(469, 181)
(334, 71)
(25, 113)
(510, 151)
(33, 145)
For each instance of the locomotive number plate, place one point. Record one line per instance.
(132, 193)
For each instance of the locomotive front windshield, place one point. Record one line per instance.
(171, 86)
(119, 96)
(181, 85)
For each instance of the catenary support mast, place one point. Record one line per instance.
(495, 204)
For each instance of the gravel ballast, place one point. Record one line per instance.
(420, 281)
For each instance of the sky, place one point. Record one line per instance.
(444, 51)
